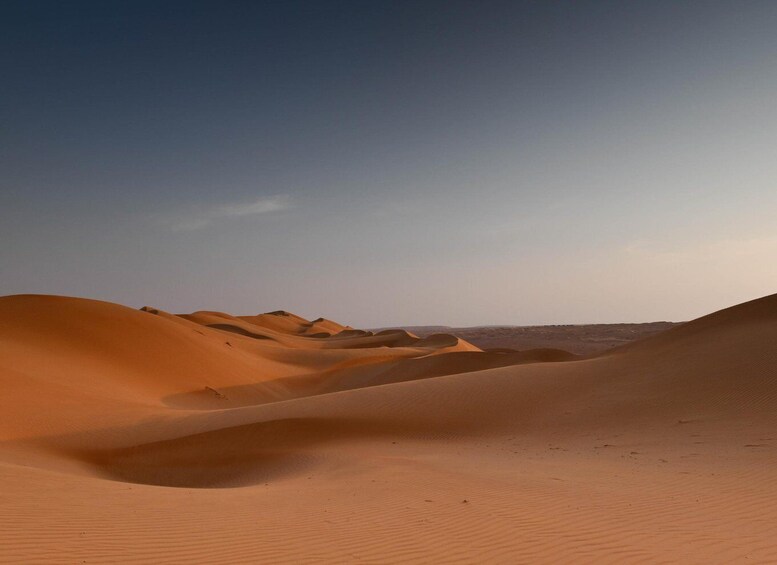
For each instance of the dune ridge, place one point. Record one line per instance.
(379, 447)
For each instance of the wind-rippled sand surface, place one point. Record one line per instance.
(140, 436)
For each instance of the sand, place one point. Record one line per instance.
(138, 436)
(580, 339)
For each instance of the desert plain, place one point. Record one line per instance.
(139, 436)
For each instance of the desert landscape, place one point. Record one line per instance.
(388, 281)
(139, 436)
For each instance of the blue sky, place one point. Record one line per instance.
(386, 163)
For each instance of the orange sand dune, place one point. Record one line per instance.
(140, 436)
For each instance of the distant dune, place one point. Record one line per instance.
(145, 437)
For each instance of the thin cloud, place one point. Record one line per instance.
(207, 217)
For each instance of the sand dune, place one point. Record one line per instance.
(216, 438)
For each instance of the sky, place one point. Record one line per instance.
(392, 163)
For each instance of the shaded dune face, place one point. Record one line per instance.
(96, 394)
(233, 456)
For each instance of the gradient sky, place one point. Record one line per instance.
(389, 163)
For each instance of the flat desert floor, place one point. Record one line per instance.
(144, 437)
(581, 339)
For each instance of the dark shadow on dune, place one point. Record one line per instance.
(352, 333)
(231, 457)
(236, 330)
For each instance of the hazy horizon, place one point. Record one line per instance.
(392, 163)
